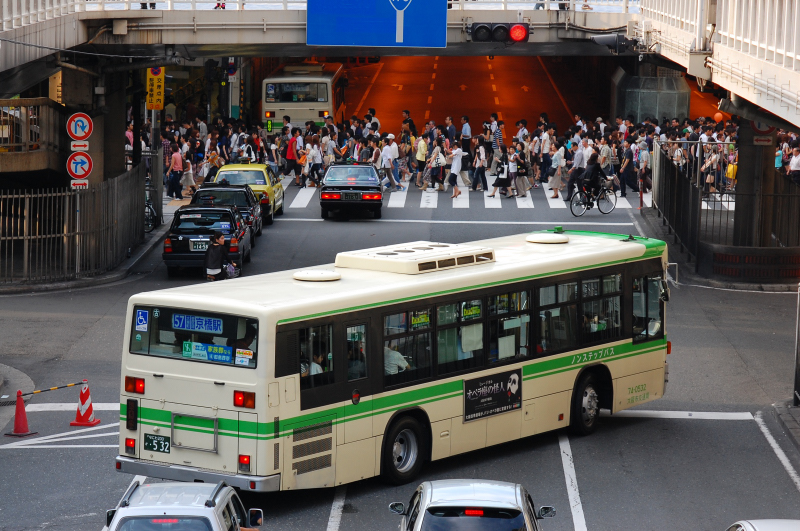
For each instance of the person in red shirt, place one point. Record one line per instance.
(291, 155)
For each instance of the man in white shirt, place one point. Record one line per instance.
(493, 122)
(387, 160)
(794, 165)
(375, 119)
(621, 125)
(579, 122)
(587, 149)
(522, 129)
(466, 130)
(601, 125)
(393, 361)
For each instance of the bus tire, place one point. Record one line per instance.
(585, 405)
(404, 447)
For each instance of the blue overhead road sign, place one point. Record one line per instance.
(383, 23)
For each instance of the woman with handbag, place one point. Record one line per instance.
(455, 168)
(502, 181)
(437, 164)
(216, 258)
(709, 169)
(523, 171)
(555, 173)
(479, 161)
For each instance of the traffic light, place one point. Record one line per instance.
(503, 32)
(616, 42)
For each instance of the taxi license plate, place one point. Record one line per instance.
(352, 197)
(199, 246)
(156, 443)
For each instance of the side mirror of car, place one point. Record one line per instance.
(110, 516)
(255, 518)
(546, 511)
(397, 508)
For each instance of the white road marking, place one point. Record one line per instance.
(335, 519)
(62, 439)
(462, 201)
(25, 442)
(578, 519)
(553, 202)
(778, 451)
(636, 223)
(648, 199)
(691, 415)
(101, 406)
(62, 446)
(429, 200)
(525, 202)
(303, 197)
(622, 202)
(588, 223)
(397, 199)
(492, 202)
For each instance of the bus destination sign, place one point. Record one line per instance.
(492, 395)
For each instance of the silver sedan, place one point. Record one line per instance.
(765, 525)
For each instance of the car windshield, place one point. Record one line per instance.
(221, 197)
(344, 174)
(165, 523)
(472, 519)
(203, 221)
(241, 177)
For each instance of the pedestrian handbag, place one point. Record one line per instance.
(730, 173)
(302, 160)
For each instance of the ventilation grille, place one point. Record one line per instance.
(416, 257)
(311, 448)
(277, 456)
(315, 430)
(309, 465)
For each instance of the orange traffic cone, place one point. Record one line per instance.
(84, 416)
(20, 420)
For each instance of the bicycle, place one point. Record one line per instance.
(581, 200)
(151, 220)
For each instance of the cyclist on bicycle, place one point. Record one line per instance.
(593, 178)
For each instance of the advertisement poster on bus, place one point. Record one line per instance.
(492, 395)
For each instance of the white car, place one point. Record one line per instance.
(765, 525)
(469, 504)
(184, 506)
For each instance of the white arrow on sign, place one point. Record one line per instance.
(79, 145)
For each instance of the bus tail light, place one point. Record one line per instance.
(234, 245)
(132, 414)
(244, 399)
(269, 114)
(324, 114)
(372, 197)
(167, 245)
(669, 347)
(130, 446)
(244, 463)
(473, 512)
(134, 385)
(329, 195)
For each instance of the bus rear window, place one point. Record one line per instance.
(293, 92)
(194, 336)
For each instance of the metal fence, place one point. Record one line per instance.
(63, 234)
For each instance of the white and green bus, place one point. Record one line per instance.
(391, 357)
(304, 92)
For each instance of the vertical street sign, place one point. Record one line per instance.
(377, 23)
(80, 126)
(155, 89)
(79, 165)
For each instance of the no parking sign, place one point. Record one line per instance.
(79, 165)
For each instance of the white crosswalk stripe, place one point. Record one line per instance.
(398, 199)
(492, 202)
(303, 197)
(553, 202)
(462, 201)
(622, 202)
(525, 202)
(429, 200)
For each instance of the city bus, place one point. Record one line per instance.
(390, 357)
(304, 92)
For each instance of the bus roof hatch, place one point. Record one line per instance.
(415, 257)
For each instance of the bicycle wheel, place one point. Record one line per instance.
(577, 205)
(607, 201)
(149, 219)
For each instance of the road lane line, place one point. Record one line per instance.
(364, 98)
(430, 99)
(490, 67)
(431, 86)
(71, 406)
(303, 197)
(622, 202)
(491, 76)
(525, 202)
(62, 434)
(427, 114)
(434, 66)
(433, 76)
(429, 200)
(588, 223)
(496, 100)
(578, 519)
(690, 415)
(499, 115)
(397, 199)
(494, 88)
(553, 202)
(462, 201)
(636, 224)
(77, 437)
(335, 519)
(778, 451)
(492, 202)
(558, 92)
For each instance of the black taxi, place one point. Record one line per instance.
(349, 186)
(241, 196)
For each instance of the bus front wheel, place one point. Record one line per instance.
(403, 451)
(585, 406)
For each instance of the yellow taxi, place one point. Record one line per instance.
(262, 180)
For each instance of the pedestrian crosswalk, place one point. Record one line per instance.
(412, 197)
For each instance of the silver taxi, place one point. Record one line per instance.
(469, 504)
(184, 506)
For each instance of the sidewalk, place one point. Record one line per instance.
(151, 241)
(789, 417)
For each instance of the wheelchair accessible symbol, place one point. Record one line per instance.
(80, 126)
(141, 320)
(79, 165)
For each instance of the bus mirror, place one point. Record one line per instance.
(664, 291)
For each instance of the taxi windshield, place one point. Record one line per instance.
(205, 221)
(221, 197)
(343, 174)
(241, 177)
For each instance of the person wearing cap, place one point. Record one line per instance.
(387, 162)
(601, 125)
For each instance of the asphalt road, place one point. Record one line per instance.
(732, 353)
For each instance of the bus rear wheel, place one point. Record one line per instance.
(585, 406)
(403, 451)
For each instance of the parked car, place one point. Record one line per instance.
(240, 196)
(190, 506)
(765, 525)
(470, 504)
(349, 186)
(191, 231)
(260, 177)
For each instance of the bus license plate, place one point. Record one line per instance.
(156, 443)
(199, 246)
(352, 197)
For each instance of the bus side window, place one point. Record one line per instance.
(648, 315)
(356, 352)
(316, 356)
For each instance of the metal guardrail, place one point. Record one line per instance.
(62, 234)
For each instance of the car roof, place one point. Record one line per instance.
(772, 525)
(224, 187)
(229, 167)
(170, 495)
(463, 492)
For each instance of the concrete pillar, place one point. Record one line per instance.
(752, 222)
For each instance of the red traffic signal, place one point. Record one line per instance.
(502, 32)
(519, 33)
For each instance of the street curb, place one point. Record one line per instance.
(649, 216)
(789, 418)
(120, 272)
